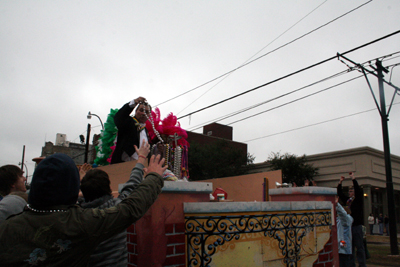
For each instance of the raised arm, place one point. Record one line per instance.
(104, 223)
(357, 188)
(136, 176)
(122, 117)
(340, 193)
(345, 218)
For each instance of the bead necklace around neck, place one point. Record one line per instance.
(44, 211)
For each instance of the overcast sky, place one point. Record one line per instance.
(61, 59)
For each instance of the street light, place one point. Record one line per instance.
(89, 116)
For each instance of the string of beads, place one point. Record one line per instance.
(43, 211)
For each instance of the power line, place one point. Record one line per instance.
(293, 91)
(290, 102)
(212, 87)
(298, 99)
(291, 74)
(270, 100)
(294, 40)
(314, 124)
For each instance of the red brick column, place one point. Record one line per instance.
(325, 258)
(176, 256)
(158, 238)
(131, 239)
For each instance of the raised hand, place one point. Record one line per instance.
(144, 149)
(140, 99)
(156, 165)
(84, 169)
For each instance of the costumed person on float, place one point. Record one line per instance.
(121, 132)
(169, 140)
(131, 130)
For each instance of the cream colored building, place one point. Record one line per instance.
(368, 165)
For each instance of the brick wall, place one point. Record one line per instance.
(132, 246)
(325, 257)
(175, 245)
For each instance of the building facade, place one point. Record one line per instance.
(76, 151)
(214, 132)
(368, 165)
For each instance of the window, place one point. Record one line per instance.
(377, 202)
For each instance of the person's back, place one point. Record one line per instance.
(344, 222)
(95, 187)
(55, 231)
(113, 251)
(96, 190)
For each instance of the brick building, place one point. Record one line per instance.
(75, 150)
(214, 132)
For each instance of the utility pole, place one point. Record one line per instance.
(23, 158)
(87, 143)
(388, 164)
(386, 146)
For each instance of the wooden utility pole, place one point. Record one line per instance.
(388, 164)
(87, 143)
(386, 146)
(23, 158)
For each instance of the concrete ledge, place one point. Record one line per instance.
(306, 190)
(183, 187)
(219, 207)
(187, 187)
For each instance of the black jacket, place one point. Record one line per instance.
(128, 133)
(356, 206)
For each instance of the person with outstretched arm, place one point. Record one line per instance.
(355, 202)
(55, 231)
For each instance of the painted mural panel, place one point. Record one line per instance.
(279, 239)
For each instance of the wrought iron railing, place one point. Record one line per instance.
(205, 234)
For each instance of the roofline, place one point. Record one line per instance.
(342, 153)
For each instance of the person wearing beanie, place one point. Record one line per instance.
(96, 190)
(55, 183)
(54, 231)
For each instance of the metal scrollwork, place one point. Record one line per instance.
(287, 228)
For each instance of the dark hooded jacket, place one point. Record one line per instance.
(65, 234)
